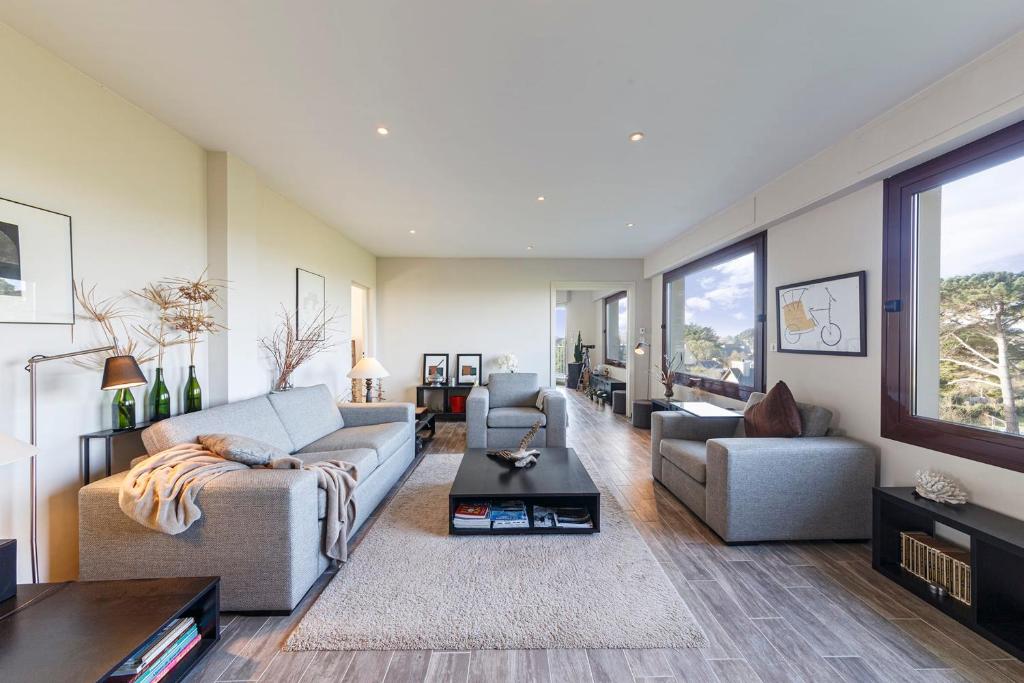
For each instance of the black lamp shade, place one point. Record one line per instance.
(120, 372)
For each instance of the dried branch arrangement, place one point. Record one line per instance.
(112, 317)
(161, 334)
(667, 374)
(191, 312)
(289, 348)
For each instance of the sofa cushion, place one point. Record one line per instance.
(689, 456)
(254, 418)
(385, 439)
(515, 417)
(307, 413)
(509, 390)
(365, 459)
(776, 415)
(241, 449)
(814, 420)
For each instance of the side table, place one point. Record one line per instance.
(108, 436)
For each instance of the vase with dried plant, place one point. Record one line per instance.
(110, 314)
(191, 315)
(161, 335)
(667, 376)
(289, 347)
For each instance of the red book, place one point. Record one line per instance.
(472, 510)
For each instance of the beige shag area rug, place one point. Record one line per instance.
(411, 586)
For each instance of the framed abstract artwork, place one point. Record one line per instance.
(36, 273)
(310, 302)
(435, 368)
(825, 316)
(468, 367)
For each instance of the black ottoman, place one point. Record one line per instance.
(619, 402)
(642, 414)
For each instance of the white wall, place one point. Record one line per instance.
(135, 190)
(580, 317)
(487, 306)
(268, 237)
(825, 217)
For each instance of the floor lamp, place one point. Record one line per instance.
(118, 372)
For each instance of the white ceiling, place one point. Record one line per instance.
(493, 102)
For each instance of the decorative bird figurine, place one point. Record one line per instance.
(525, 456)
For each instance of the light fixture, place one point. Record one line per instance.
(540, 198)
(412, 232)
(639, 348)
(629, 225)
(529, 247)
(368, 369)
(637, 136)
(381, 130)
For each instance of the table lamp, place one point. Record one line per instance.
(368, 369)
(119, 372)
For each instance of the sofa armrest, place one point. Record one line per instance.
(477, 407)
(799, 488)
(361, 414)
(274, 511)
(556, 418)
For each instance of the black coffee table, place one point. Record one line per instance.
(558, 479)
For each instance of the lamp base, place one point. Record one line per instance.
(369, 391)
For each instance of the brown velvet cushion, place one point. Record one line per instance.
(775, 415)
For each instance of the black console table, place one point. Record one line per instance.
(447, 412)
(84, 630)
(996, 609)
(602, 386)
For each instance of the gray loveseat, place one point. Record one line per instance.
(261, 530)
(500, 414)
(816, 486)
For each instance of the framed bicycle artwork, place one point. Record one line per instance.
(824, 316)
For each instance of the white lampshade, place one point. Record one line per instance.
(12, 450)
(368, 368)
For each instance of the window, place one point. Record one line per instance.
(713, 331)
(616, 336)
(953, 333)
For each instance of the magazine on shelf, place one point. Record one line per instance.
(543, 517)
(473, 511)
(573, 518)
(509, 514)
(154, 647)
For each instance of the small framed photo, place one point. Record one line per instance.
(826, 316)
(435, 368)
(468, 367)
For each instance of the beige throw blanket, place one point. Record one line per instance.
(160, 491)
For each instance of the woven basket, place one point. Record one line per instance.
(937, 562)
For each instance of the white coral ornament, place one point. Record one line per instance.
(940, 488)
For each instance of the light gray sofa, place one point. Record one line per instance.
(500, 414)
(261, 530)
(816, 486)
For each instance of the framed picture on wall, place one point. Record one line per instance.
(310, 303)
(468, 367)
(435, 368)
(36, 274)
(824, 316)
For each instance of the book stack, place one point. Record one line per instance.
(509, 514)
(573, 518)
(543, 517)
(472, 516)
(160, 654)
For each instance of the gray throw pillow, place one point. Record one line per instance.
(241, 449)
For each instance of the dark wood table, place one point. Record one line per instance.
(84, 630)
(558, 479)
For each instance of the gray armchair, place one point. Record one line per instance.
(816, 486)
(500, 414)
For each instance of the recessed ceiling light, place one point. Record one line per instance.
(381, 130)
(540, 198)
(412, 232)
(529, 247)
(629, 225)
(637, 136)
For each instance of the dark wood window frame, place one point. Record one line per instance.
(614, 362)
(758, 244)
(898, 419)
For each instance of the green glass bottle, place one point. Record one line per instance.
(193, 392)
(159, 399)
(124, 409)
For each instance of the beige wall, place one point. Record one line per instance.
(135, 190)
(824, 217)
(488, 306)
(268, 237)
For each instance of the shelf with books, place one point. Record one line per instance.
(503, 516)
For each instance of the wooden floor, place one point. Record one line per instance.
(775, 612)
